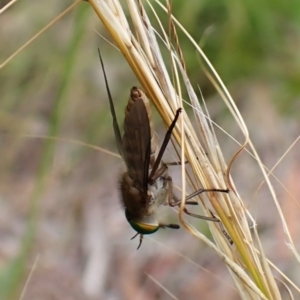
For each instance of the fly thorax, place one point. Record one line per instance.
(128, 184)
(158, 192)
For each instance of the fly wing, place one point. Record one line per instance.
(112, 110)
(137, 144)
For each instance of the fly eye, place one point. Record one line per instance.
(143, 228)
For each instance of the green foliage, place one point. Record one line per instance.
(245, 40)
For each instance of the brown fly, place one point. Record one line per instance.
(146, 184)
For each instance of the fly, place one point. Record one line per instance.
(146, 185)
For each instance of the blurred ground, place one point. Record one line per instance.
(59, 207)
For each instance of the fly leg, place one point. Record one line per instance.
(162, 169)
(226, 234)
(175, 163)
(174, 201)
(163, 147)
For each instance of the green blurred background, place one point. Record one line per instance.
(60, 217)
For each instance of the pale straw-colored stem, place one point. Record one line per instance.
(248, 267)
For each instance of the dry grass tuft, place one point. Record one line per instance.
(50, 208)
(246, 261)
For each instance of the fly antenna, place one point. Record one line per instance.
(141, 239)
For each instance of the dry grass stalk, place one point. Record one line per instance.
(143, 55)
(248, 267)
